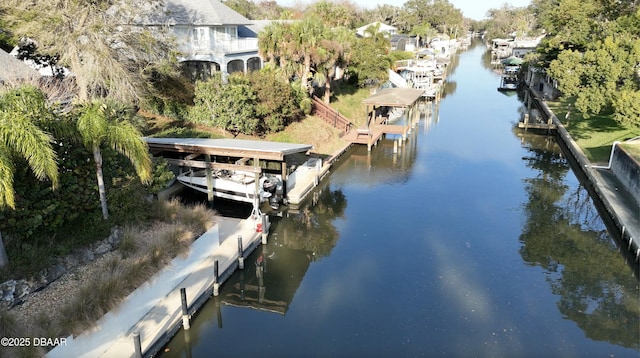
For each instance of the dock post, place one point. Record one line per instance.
(137, 345)
(209, 174)
(264, 228)
(216, 279)
(395, 146)
(240, 253)
(185, 310)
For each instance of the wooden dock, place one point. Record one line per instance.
(536, 124)
(371, 135)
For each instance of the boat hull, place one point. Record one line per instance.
(234, 186)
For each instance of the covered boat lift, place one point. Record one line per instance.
(229, 154)
(376, 125)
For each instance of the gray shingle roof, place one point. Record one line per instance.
(14, 69)
(195, 12)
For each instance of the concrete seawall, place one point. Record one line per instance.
(153, 311)
(627, 169)
(619, 203)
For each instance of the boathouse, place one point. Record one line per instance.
(250, 156)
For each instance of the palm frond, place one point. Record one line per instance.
(6, 179)
(127, 140)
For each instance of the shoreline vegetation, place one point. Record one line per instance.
(74, 302)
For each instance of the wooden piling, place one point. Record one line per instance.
(137, 345)
(240, 253)
(216, 279)
(185, 311)
(265, 232)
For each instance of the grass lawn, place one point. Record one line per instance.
(594, 134)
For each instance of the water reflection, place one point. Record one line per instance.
(564, 234)
(297, 238)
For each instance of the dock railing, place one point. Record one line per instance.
(330, 115)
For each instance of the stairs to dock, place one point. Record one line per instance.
(397, 80)
(330, 115)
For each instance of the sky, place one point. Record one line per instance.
(474, 9)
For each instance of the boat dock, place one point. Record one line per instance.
(376, 125)
(147, 319)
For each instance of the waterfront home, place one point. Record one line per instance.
(501, 48)
(388, 30)
(211, 37)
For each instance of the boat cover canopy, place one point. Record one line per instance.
(227, 146)
(395, 97)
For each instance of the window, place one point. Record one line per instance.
(200, 37)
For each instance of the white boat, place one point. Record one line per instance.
(235, 185)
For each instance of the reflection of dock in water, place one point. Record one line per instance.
(269, 281)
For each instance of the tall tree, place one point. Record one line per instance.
(335, 14)
(103, 123)
(369, 58)
(107, 55)
(507, 21)
(593, 51)
(307, 35)
(440, 14)
(22, 113)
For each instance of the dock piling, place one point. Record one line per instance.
(240, 253)
(264, 228)
(185, 310)
(137, 345)
(216, 279)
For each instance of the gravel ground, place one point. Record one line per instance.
(49, 301)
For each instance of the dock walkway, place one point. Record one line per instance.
(370, 135)
(154, 310)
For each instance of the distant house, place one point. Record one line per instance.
(523, 46)
(401, 42)
(384, 28)
(211, 37)
(14, 70)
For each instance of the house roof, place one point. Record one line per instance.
(14, 69)
(229, 147)
(258, 26)
(196, 12)
(383, 27)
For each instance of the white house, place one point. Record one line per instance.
(211, 37)
(384, 28)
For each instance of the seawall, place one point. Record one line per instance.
(627, 169)
(620, 206)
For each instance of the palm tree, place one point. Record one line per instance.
(307, 36)
(326, 58)
(332, 52)
(269, 41)
(104, 123)
(21, 138)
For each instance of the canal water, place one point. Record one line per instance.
(474, 240)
